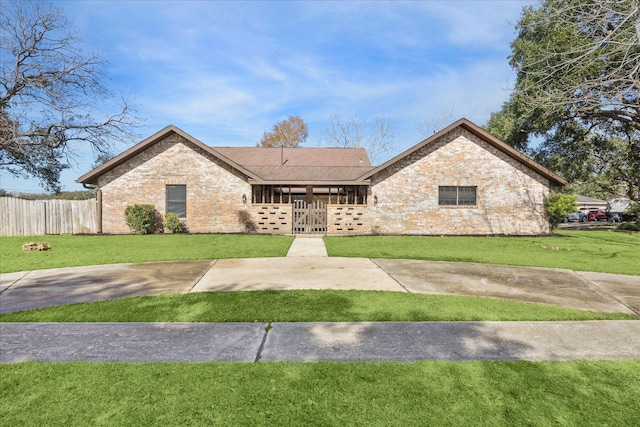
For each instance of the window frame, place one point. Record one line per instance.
(463, 195)
(176, 199)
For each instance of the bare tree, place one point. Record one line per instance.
(436, 123)
(291, 132)
(375, 136)
(51, 94)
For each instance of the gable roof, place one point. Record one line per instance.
(349, 166)
(482, 134)
(262, 165)
(92, 176)
(288, 165)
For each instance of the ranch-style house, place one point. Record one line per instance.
(459, 181)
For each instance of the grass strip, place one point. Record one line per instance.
(322, 394)
(71, 251)
(603, 251)
(305, 306)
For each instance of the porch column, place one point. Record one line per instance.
(309, 193)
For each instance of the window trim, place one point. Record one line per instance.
(460, 199)
(182, 213)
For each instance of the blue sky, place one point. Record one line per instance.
(225, 72)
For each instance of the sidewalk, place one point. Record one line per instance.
(307, 342)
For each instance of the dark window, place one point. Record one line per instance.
(177, 200)
(456, 196)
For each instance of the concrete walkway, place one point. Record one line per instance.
(306, 342)
(307, 246)
(308, 267)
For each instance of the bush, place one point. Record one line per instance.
(173, 225)
(558, 206)
(628, 226)
(633, 211)
(244, 218)
(141, 219)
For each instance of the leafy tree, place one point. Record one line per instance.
(291, 132)
(50, 93)
(577, 91)
(558, 206)
(375, 136)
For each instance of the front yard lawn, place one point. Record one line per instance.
(602, 392)
(581, 393)
(71, 251)
(602, 251)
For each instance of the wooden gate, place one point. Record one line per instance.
(309, 218)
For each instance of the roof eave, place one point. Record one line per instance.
(302, 182)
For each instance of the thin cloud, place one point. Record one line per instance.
(227, 71)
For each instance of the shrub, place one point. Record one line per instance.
(173, 225)
(141, 219)
(633, 211)
(628, 226)
(558, 206)
(244, 218)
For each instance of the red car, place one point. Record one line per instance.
(596, 215)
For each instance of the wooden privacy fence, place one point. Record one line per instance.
(20, 217)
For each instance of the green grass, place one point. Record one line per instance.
(600, 251)
(581, 393)
(340, 394)
(70, 251)
(304, 306)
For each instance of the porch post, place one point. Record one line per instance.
(309, 193)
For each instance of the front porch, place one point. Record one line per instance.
(339, 194)
(310, 208)
(340, 219)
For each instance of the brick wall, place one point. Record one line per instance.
(214, 190)
(272, 218)
(348, 219)
(509, 195)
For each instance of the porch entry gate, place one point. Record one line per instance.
(309, 218)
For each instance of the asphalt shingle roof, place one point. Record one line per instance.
(300, 164)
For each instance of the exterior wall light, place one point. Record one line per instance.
(244, 199)
(375, 200)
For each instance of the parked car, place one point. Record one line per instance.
(596, 215)
(577, 216)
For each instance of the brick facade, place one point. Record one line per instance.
(214, 190)
(509, 194)
(349, 220)
(402, 197)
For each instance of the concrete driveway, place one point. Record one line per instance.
(307, 267)
(587, 291)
